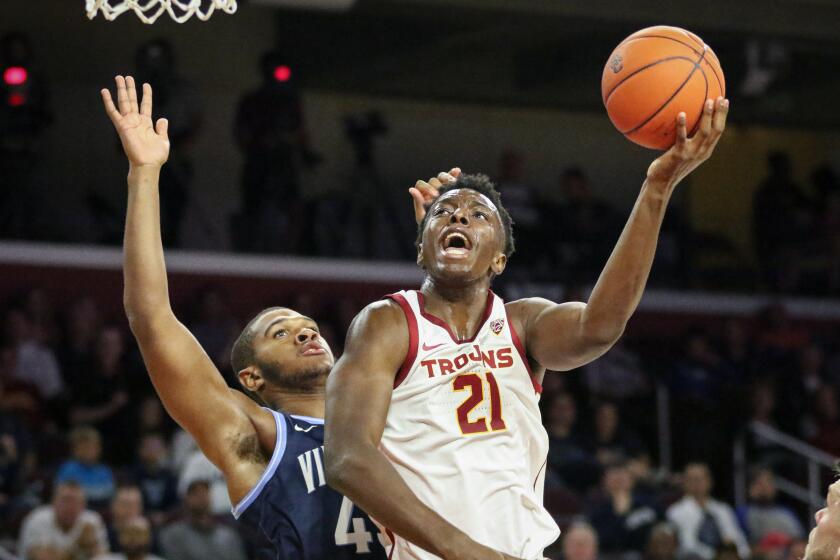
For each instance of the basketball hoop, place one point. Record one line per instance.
(149, 10)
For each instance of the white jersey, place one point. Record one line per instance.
(464, 432)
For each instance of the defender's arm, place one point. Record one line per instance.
(565, 336)
(358, 395)
(191, 388)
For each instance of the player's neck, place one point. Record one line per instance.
(461, 307)
(297, 404)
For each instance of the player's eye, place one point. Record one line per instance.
(280, 333)
(481, 215)
(440, 210)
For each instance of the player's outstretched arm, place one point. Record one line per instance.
(358, 395)
(190, 386)
(566, 336)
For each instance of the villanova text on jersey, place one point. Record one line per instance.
(300, 516)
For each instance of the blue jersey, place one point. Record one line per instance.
(299, 515)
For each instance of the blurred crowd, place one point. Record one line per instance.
(91, 466)
(565, 231)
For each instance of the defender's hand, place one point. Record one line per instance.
(687, 153)
(144, 143)
(423, 193)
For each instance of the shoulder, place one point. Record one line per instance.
(38, 516)
(383, 318)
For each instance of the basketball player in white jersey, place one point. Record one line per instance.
(432, 419)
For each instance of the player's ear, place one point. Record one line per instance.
(499, 263)
(251, 379)
(420, 255)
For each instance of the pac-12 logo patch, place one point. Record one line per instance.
(497, 326)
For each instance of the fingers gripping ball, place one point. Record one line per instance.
(652, 76)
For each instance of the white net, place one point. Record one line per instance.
(149, 10)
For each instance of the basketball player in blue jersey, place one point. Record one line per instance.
(432, 418)
(271, 457)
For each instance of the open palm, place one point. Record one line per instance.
(143, 142)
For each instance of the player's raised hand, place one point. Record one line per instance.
(687, 153)
(423, 193)
(144, 143)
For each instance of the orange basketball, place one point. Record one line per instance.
(652, 76)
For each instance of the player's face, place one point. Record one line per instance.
(464, 237)
(290, 351)
(824, 540)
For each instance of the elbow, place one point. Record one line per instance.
(605, 335)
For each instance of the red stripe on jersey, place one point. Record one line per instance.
(488, 308)
(522, 354)
(393, 542)
(413, 336)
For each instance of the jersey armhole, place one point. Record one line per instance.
(522, 354)
(270, 469)
(413, 337)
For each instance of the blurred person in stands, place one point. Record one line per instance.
(796, 550)
(588, 227)
(580, 542)
(622, 518)
(779, 200)
(100, 396)
(611, 440)
(126, 505)
(271, 133)
(213, 327)
(703, 523)
(662, 543)
(763, 516)
(36, 362)
(64, 529)
(568, 456)
(825, 433)
(199, 536)
(617, 375)
(82, 325)
(521, 202)
(136, 538)
(799, 384)
(85, 467)
(737, 349)
(198, 467)
(154, 477)
(778, 339)
(177, 98)
(24, 117)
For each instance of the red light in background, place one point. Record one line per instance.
(16, 100)
(15, 76)
(283, 73)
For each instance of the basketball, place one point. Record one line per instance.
(652, 76)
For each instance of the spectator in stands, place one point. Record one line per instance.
(779, 200)
(826, 433)
(617, 375)
(796, 550)
(662, 543)
(622, 518)
(36, 363)
(200, 536)
(612, 441)
(588, 227)
(737, 349)
(800, 383)
(136, 538)
(580, 542)
(520, 201)
(100, 396)
(567, 454)
(703, 523)
(198, 467)
(81, 327)
(63, 529)
(126, 505)
(176, 98)
(213, 326)
(85, 467)
(763, 516)
(156, 480)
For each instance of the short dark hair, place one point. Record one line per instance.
(242, 354)
(482, 185)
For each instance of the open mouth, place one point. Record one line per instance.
(456, 244)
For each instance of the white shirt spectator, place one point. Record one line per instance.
(687, 515)
(40, 529)
(36, 364)
(199, 467)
